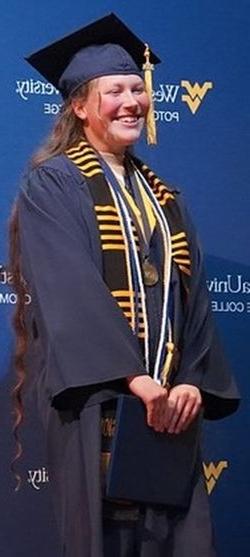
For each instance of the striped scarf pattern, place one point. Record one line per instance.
(121, 247)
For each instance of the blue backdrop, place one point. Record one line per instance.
(202, 113)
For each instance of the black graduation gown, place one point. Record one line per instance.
(85, 347)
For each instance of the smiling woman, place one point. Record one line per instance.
(114, 112)
(119, 305)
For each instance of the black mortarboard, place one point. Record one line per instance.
(105, 47)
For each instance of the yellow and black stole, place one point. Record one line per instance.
(117, 272)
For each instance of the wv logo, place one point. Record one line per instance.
(212, 473)
(195, 93)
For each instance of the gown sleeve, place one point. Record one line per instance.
(85, 338)
(203, 362)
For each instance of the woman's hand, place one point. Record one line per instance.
(171, 411)
(184, 403)
(155, 399)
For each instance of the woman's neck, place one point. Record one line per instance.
(115, 160)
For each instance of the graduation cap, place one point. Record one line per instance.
(104, 47)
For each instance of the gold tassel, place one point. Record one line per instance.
(167, 364)
(150, 121)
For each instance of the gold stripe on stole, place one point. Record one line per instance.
(181, 256)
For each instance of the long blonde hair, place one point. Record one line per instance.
(68, 129)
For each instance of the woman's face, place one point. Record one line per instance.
(114, 112)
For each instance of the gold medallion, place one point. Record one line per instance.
(150, 273)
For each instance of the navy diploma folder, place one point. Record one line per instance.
(147, 466)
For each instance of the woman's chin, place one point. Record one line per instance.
(126, 138)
